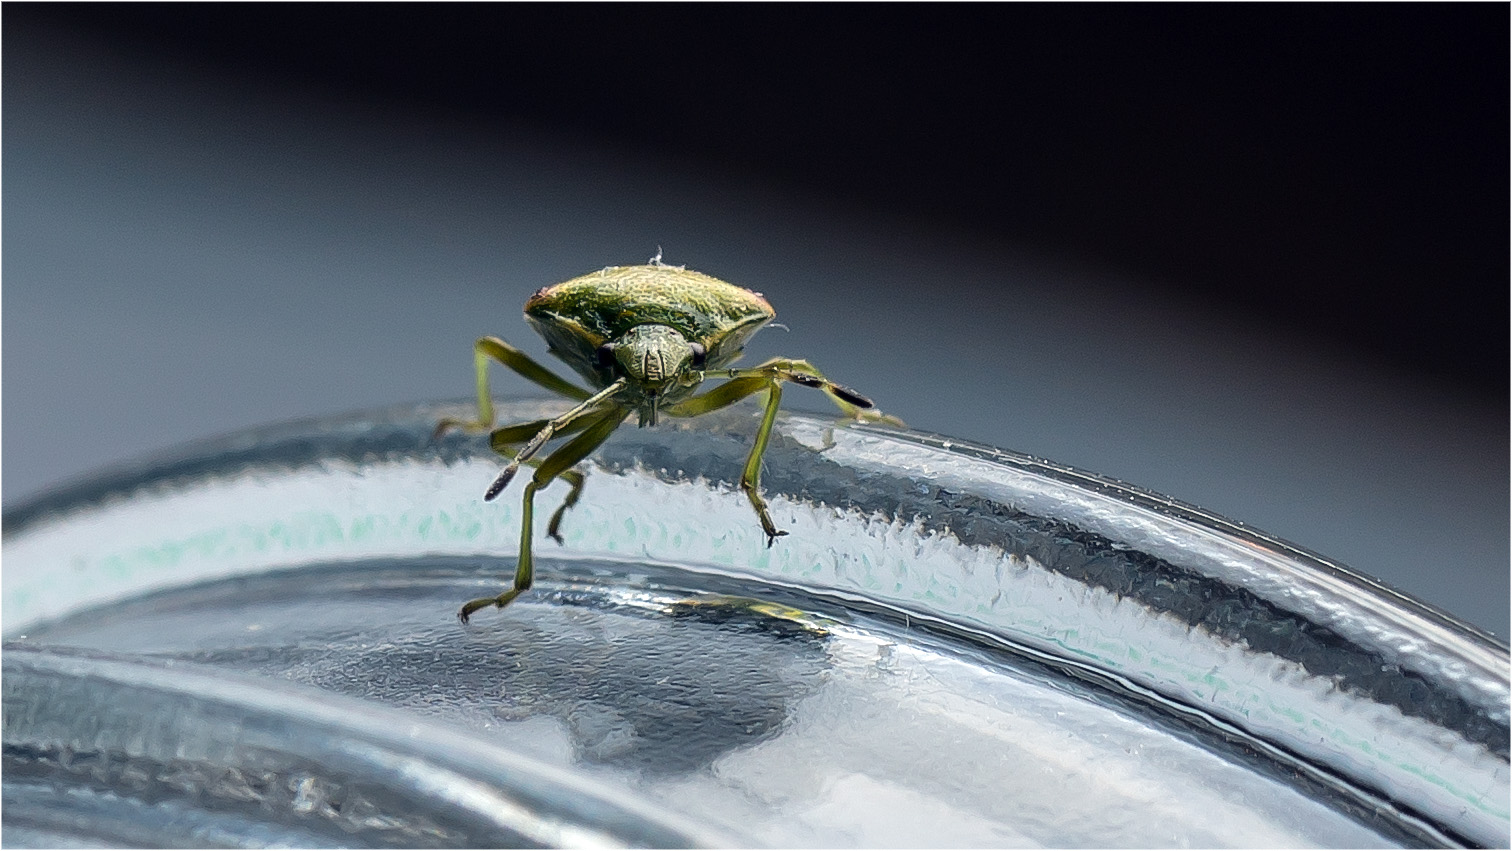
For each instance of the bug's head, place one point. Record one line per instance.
(652, 356)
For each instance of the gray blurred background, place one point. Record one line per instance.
(1253, 258)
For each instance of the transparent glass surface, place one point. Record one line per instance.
(254, 642)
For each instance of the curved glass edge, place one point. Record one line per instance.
(1405, 630)
(426, 786)
(1382, 596)
(1224, 621)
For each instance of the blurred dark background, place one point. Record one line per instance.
(1253, 256)
(1339, 168)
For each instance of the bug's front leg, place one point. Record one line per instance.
(750, 477)
(551, 429)
(769, 377)
(728, 393)
(744, 383)
(853, 404)
(850, 402)
(601, 425)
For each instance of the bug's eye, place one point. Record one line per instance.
(698, 354)
(604, 356)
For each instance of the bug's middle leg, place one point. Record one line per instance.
(503, 442)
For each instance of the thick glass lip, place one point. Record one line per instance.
(1378, 596)
(1107, 582)
(536, 804)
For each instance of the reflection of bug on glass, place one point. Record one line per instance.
(644, 337)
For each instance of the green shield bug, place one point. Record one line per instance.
(644, 338)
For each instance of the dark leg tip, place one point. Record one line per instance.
(500, 483)
(852, 397)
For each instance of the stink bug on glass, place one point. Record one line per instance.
(644, 338)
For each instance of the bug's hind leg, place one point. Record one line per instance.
(493, 348)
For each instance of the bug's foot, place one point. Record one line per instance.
(447, 425)
(554, 528)
(500, 602)
(774, 535)
(875, 416)
(442, 428)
